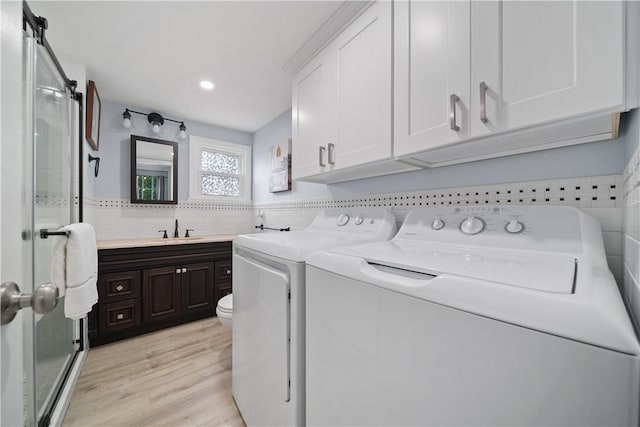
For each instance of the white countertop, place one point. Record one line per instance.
(135, 243)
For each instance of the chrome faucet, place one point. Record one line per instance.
(175, 233)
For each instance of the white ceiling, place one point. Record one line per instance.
(153, 54)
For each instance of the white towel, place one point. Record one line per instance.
(74, 269)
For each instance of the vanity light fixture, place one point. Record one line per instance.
(155, 120)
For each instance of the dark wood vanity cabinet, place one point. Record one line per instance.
(161, 288)
(144, 289)
(119, 302)
(196, 293)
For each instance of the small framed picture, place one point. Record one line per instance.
(280, 167)
(92, 132)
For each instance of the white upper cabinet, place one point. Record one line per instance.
(415, 83)
(540, 61)
(432, 62)
(311, 117)
(342, 100)
(364, 88)
(516, 68)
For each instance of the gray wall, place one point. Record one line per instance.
(114, 151)
(597, 158)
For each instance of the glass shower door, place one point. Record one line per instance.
(51, 205)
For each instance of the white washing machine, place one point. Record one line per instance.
(268, 309)
(496, 315)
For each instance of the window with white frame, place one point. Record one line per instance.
(219, 170)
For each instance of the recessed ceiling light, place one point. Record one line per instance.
(205, 84)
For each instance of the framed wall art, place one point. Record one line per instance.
(280, 167)
(92, 128)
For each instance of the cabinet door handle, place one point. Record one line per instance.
(229, 271)
(453, 98)
(321, 157)
(184, 270)
(119, 288)
(120, 316)
(178, 271)
(483, 102)
(330, 154)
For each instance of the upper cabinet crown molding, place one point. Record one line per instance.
(338, 21)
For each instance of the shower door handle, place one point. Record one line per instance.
(43, 300)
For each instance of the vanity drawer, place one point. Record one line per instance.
(223, 271)
(119, 286)
(119, 315)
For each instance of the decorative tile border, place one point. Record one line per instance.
(201, 205)
(55, 201)
(52, 201)
(586, 192)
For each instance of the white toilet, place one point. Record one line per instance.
(224, 310)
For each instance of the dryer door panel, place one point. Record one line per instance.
(261, 337)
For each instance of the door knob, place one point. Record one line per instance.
(43, 300)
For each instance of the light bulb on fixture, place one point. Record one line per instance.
(126, 119)
(183, 131)
(156, 120)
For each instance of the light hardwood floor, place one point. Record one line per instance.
(176, 377)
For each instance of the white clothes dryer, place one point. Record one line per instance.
(496, 315)
(268, 309)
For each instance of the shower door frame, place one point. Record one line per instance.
(56, 407)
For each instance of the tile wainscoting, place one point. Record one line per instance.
(631, 234)
(120, 219)
(599, 196)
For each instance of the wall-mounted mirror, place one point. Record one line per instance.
(154, 170)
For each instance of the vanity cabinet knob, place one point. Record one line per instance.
(120, 316)
(229, 271)
(119, 288)
(184, 270)
(178, 271)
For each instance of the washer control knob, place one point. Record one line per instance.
(472, 225)
(358, 220)
(343, 219)
(437, 224)
(514, 226)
